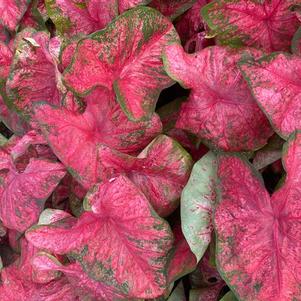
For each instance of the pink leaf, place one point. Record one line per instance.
(161, 171)
(258, 236)
(22, 195)
(183, 260)
(275, 83)
(121, 243)
(101, 126)
(33, 74)
(126, 58)
(71, 17)
(220, 108)
(269, 25)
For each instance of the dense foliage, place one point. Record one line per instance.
(150, 150)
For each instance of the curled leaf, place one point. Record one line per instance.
(269, 25)
(125, 57)
(135, 242)
(220, 108)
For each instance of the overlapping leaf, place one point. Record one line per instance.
(258, 236)
(182, 260)
(18, 281)
(269, 25)
(220, 108)
(23, 193)
(34, 75)
(82, 286)
(275, 83)
(86, 16)
(135, 242)
(160, 170)
(125, 57)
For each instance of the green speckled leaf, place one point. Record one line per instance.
(125, 58)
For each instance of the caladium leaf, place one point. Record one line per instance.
(161, 171)
(126, 57)
(30, 138)
(101, 124)
(135, 242)
(83, 286)
(15, 288)
(258, 236)
(7, 115)
(269, 25)
(220, 107)
(33, 74)
(183, 260)
(105, 11)
(275, 83)
(11, 12)
(19, 280)
(33, 17)
(197, 202)
(71, 17)
(80, 17)
(22, 194)
(172, 8)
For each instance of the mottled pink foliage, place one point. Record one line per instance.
(220, 108)
(258, 236)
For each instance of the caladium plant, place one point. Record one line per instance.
(140, 141)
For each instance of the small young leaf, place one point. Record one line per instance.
(197, 203)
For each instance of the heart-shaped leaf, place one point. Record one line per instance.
(125, 57)
(258, 236)
(275, 83)
(269, 25)
(135, 242)
(220, 108)
(23, 194)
